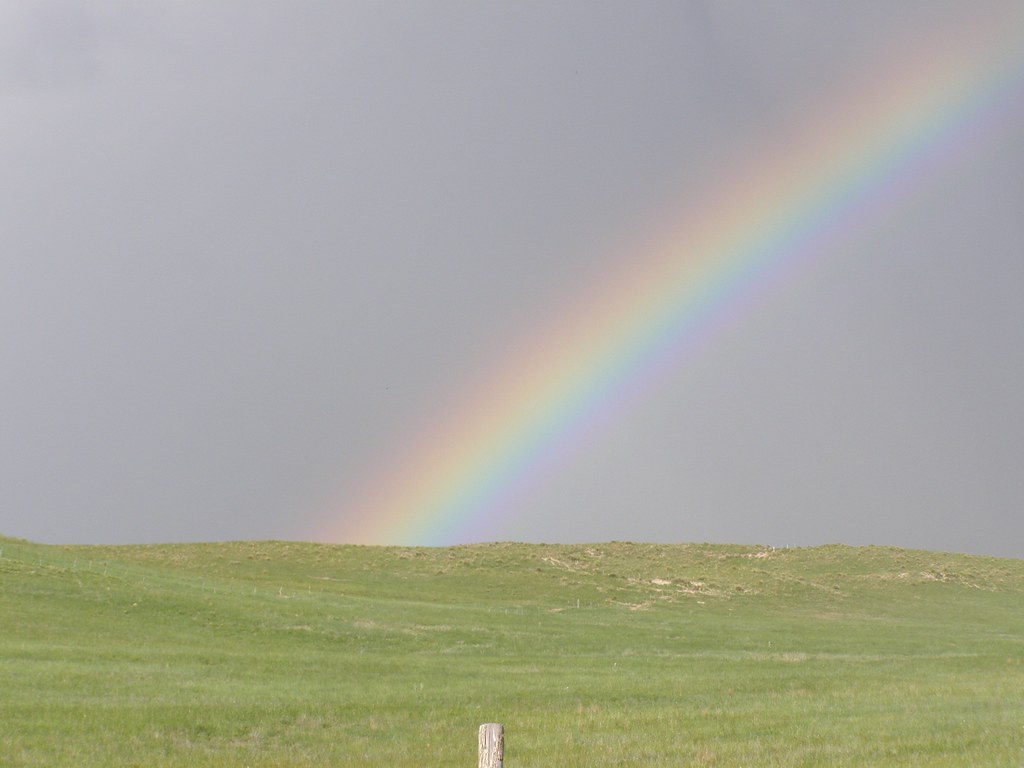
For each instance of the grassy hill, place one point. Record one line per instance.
(283, 654)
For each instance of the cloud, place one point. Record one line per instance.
(48, 45)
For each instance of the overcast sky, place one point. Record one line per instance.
(249, 249)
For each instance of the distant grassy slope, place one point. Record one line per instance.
(279, 654)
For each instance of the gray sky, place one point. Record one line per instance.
(248, 249)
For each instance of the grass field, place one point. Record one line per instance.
(278, 654)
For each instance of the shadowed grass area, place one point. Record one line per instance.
(285, 654)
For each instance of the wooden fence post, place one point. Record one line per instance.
(492, 746)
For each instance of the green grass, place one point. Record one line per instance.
(278, 654)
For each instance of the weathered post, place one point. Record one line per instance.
(492, 746)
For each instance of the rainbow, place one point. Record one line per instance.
(842, 168)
